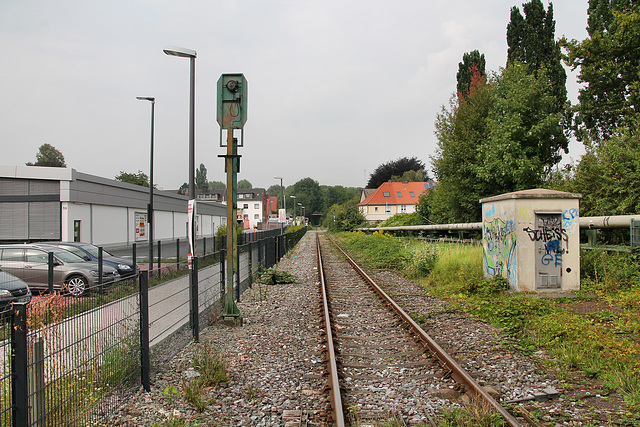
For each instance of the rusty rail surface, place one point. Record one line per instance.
(458, 373)
(334, 384)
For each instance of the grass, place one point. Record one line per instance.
(208, 362)
(603, 345)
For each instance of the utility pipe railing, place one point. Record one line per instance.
(588, 222)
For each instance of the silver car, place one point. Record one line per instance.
(71, 273)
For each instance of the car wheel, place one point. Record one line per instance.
(76, 285)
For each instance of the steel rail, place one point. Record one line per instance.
(457, 372)
(334, 384)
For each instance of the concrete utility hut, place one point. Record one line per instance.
(532, 239)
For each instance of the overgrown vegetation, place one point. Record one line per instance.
(602, 344)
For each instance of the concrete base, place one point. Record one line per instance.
(232, 320)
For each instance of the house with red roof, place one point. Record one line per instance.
(392, 198)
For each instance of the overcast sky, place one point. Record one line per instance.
(335, 87)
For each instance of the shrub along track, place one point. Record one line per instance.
(386, 365)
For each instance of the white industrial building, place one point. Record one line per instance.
(45, 203)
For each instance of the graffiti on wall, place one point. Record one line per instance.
(570, 219)
(551, 234)
(499, 239)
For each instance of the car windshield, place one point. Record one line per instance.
(93, 250)
(64, 255)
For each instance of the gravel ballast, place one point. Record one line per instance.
(275, 364)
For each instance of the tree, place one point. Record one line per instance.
(48, 155)
(472, 63)
(525, 137)
(139, 178)
(344, 217)
(531, 41)
(307, 193)
(608, 177)
(184, 189)
(274, 190)
(609, 61)
(217, 185)
(460, 130)
(504, 136)
(201, 178)
(244, 184)
(385, 171)
(409, 176)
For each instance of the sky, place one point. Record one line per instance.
(335, 87)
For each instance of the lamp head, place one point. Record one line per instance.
(179, 51)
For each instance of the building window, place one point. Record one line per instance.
(256, 216)
(403, 208)
(256, 206)
(386, 194)
(412, 194)
(387, 209)
(245, 206)
(399, 194)
(375, 209)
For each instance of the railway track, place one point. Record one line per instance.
(382, 366)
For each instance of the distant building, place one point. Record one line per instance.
(253, 205)
(392, 198)
(45, 203)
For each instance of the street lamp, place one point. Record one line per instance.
(284, 202)
(294, 209)
(191, 54)
(150, 208)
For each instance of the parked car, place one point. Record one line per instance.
(12, 289)
(29, 262)
(89, 252)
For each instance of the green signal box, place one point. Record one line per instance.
(232, 103)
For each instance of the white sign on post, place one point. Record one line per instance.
(191, 213)
(282, 215)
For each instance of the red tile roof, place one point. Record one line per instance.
(397, 193)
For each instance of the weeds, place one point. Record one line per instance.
(273, 276)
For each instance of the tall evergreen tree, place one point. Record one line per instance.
(531, 41)
(201, 178)
(472, 62)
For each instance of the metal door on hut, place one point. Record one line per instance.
(549, 248)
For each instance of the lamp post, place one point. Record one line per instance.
(284, 204)
(191, 54)
(150, 208)
(294, 209)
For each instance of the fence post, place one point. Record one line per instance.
(204, 245)
(145, 365)
(36, 384)
(238, 281)
(195, 317)
(177, 254)
(223, 280)
(19, 362)
(250, 264)
(50, 273)
(159, 259)
(100, 271)
(134, 255)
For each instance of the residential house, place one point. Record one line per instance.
(392, 198)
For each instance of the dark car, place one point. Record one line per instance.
(12, 289)
(89, 252)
